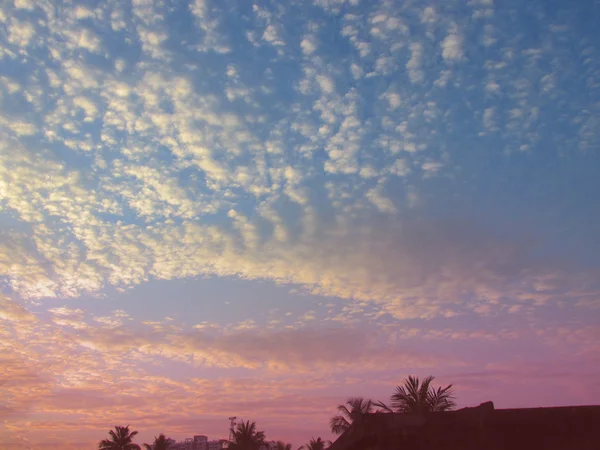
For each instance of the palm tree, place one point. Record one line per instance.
(420, 398)
(120, 439)
(246, 437)
(316, 444)
(350, 413)
(283, 446)
(160, 443)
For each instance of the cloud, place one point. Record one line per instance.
(429, 15)
(82, 12)
(308, 45)
(489, 122)
(19, 127)
(67, 374)
(12, 311)
(326, 84)
(237, 167)
(84, 38)
(383, 203)
(400, 168)
(276, 351)
(413, 66)
(272, 36)
(24, 4)
(417, 280)
(452, 47)
(394, 100)
(20, 33)
(431, 167)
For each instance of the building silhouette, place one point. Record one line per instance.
(482, 427)
(199, 442)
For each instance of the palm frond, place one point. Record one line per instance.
(384, 408)
(419, 397)
(442, 399)
(351, 412)
(338, 424)
(344, 410)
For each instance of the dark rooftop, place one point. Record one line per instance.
(478, 428)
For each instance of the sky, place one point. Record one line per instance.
(260, 208)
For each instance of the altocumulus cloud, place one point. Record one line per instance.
(150, 162)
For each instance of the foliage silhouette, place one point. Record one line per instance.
(280, 445)
(160, 443)
(350, 413)
(417, 397)
(316, 444)
(120, 439)
(246, 437)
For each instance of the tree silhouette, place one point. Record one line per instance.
(316, 444)
(420, 397)
(350, 413)
(283, 446)
(246, 437)
(120, 439)
(160, 443)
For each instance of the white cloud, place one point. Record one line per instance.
(400, 168)
(273, 36)
(10, 85)
(492, 87)
(357, 71)
(368, 172)
(19, 127)
(65, 311)
(444, 78)
(117, 20)
(378, 198)
(413, 66)
(326, 84)
(20, 33)
(483, 9)
(120, 65)
(152, 41)
(429, 15)
(548, 83)
(431, 167)
(84, 38)
(452, 47)
(308, 45)
(489, 122)
(489, 38)
(24, 4)
(394, 100)
(82, 12)
(208, 22)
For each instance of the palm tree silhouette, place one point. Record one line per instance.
(280, 445)
(316, 444)
(246, 437)
(120, 439)
(160, 443)
(420, 397)
(352, 412)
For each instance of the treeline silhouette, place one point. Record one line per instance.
(413, 397)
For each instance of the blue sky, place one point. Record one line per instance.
(300, 201)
